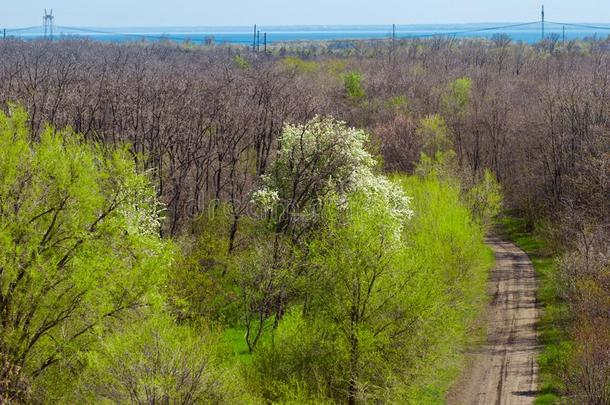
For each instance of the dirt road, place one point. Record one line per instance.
(504, 370)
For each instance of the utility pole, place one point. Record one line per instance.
(4, 34)
(564, 34)
(258, 41)
(392, 46)
(265, 43)
(254, 40)
(47, 22)
(543, 22)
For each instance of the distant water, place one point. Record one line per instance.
(244, 35)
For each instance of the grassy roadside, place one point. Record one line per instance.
(552, 333)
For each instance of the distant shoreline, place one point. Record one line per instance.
(525, 32)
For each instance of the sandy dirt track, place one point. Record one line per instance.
(504, 370)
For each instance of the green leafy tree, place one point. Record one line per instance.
(268, 278)
(360, 258)
(352, 82)
(484, 199)
(434, 134)
(241, 62)
(456, 99)
(437, 156)
(79, 244)
(356, 315)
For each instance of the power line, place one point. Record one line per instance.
(501, 27)
(132, 35)
(593, 27)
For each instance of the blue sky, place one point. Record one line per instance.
(111, 13)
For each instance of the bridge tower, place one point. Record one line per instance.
(47, 22)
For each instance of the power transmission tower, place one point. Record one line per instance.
(47, 22)
(254, 40)
(542, 22)
(265, 36)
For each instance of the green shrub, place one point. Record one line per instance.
(201, 286)
(157, 361)
(456, 98)
(300, 367)
(485, 199)
(241, 62)
(298, 64)
(352, 82)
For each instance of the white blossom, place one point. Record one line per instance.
(140, 207)
(265, 198)
(325, 141)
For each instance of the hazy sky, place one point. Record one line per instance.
(289, 12)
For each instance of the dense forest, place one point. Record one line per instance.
(206, 224)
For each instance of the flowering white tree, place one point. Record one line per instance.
(322, 171)
(321, 160)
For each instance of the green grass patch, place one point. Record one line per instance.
(553, 322)
(234, 340)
